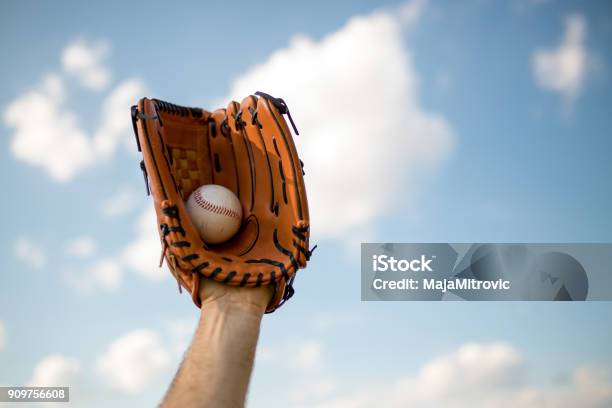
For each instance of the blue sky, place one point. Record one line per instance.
(420, 121)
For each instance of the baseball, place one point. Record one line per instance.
(215, 211)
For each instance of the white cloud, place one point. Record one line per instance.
(410, 12)
(180, 332)
(104, 275)
(55, 370)
(471, 365)
(121, 202)
(116, 125)
(48, 135)
(142, 254)
(30, 253)
(365, 140)
(480, 376)
(133, 361)
(312, 390)
(323, 321)
(81, 247)
(2, 336)
(311, 379)
(85, 61)
(563, 69)
(308, 354)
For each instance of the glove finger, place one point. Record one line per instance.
(222, 157)
(243, 152)
(294, 207)
(268, 179)
(274, 128)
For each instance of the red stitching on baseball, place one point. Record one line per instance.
(217, 209)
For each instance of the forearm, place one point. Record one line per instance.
(218, 365)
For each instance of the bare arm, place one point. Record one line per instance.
(218, 364)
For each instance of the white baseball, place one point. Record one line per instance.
(215, 211)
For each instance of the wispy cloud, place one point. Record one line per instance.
(308, 354)
(115, 126)
(55, 370)
(86, 61)
(563, 69)
(104, 275)
(478, 375)
(142, 253)
(180, 332)
(313, 389)
(31, 253)
(120, 202)
(81, 247)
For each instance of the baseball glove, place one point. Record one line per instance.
(249, 149)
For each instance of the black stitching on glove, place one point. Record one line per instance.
(190, 257)
(199, 268)
(229, 277)
(245, 279)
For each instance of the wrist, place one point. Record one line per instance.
(228, 304)
(217, 296)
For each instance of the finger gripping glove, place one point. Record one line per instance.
(249, 149)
